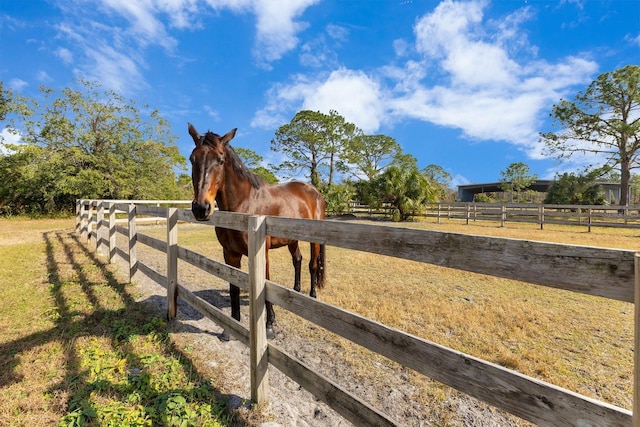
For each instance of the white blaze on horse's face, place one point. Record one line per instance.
(207, 170)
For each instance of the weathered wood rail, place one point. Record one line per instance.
(607, 273)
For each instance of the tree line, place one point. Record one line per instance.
(94, 143)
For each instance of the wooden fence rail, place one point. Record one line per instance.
(607, 273)
(589, 216)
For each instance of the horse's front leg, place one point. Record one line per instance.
(271, 314)
(233, 260)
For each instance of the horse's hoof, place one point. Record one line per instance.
(225, 336)
(270, 334)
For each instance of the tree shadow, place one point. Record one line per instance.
(109, 311)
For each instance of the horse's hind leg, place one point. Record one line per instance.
(296, 257)
(314, 268)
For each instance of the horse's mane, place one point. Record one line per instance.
(236, 162)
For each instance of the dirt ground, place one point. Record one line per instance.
(290, 405)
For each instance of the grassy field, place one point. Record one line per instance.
(75, 344)
(77, 349)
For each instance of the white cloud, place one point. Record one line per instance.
(452, 34)
(277, 26)
(113, 68)
(65, 54)
(211, 112)
(10, 138)
(144, 26)
(458, 180)
(17, 84)
(353, 94)
(43, 77)
(481, 77)
(337, 32)
(484, 78)
(119, 46)
(634, 40)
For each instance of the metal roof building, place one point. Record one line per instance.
(466, 193)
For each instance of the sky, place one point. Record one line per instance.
(467, 85)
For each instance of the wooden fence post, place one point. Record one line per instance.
(83, 221)
(636, 346)
(133, 239)
(100, 241)
(626, 215)
(468, 212)
(259, 360)
(589, 220)
(541, 208)
(78, 216)
(172, 263)
(579, 215)
(112, 232)
(439, 205)
(503, 215)
(90, 222)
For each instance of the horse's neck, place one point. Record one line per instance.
(235, 190)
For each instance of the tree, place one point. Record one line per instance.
(370, 154)
(338, 198)
(5, 101)
(406, 188)
(252, 161)
(90, 143)
(312, 142)
(440, 179)
(516, 178)
(572, 189)
(605, 120)
(338, 133)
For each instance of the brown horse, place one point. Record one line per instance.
(219, 175)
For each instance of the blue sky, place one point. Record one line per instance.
(466, 85)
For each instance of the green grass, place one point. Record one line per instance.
(77, 349)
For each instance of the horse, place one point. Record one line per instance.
(218, 174)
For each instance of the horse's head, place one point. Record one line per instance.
(207, 170)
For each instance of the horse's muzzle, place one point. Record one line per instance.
(201, 211)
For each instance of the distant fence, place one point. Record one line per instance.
(607, 273)
(584, 215)
(588, 216)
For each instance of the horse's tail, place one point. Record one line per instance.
(321, 268)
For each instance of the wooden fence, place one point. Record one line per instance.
(588, 216)
(607, 273)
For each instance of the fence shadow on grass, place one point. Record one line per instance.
(90, 301)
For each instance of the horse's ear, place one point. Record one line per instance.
(195, 135)
(229, 136)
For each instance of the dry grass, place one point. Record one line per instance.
(579, 342)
